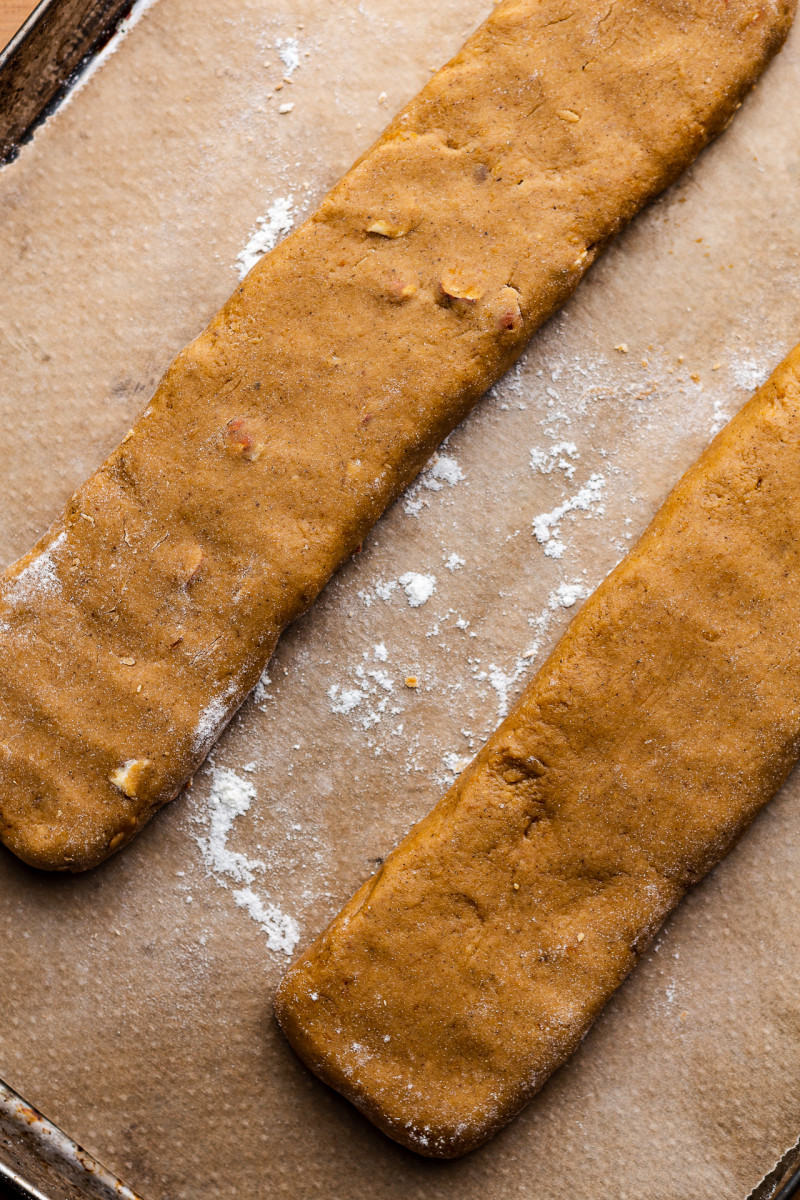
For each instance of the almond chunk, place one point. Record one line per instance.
(460, 286)
(399, 290)
(129, 777)
(388, 228)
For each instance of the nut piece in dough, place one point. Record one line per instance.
(471, 965)
(131, 775)
(319, 391)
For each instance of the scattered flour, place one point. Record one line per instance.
(454, 763)
(384, 588)
(280, 218)
(282, 931)
(567, 594)
(213, 719)
(546, 526)
(38, 578)
(289, 52)
(749, 374)
(368, 685)
(560, 454)
(720, 418)
(346, 700)
(261, 690)
(442, 470)
(418, 588)
(503, 681)
(231, 797)
(382, 679)
(455, 562)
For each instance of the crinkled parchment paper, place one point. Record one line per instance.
(136, 1000)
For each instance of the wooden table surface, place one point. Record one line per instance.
(12, 14)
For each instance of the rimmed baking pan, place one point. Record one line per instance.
(36, 70)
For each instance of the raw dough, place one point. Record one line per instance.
(471, 965)
(133, 630)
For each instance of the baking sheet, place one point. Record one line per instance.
(136, 999)
(43, 56)
(39, 1160)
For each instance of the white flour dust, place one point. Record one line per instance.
(261, 692)
(748, 373)
(345, 700)
(289, 53)
(281, 930)
(418, 588)
(566, 595)
(370, 690)
(454, 763)
(442, 470)
(502, 681)
(279, 221)
(547, 525)
(231, 797)
(560, 454)
(214, 718)
(38, 578)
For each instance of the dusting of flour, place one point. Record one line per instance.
(418, 588)
(278, 221)
(547, 525)
(442, 471)
(38, 578)
(230, 798)
(289, 53)
(213, 719)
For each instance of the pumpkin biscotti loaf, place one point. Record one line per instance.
(136, 626)
(463, 973)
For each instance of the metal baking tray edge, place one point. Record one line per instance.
(39, 1162)
(37, 68)
(43, 60)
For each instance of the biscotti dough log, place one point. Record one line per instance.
(134, 629)
(471, 965)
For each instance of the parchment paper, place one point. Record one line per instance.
(136, 999)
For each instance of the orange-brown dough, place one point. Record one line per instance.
(463, 973)
(136, 626)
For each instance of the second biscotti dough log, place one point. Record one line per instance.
(463, 973)
(135, 628)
